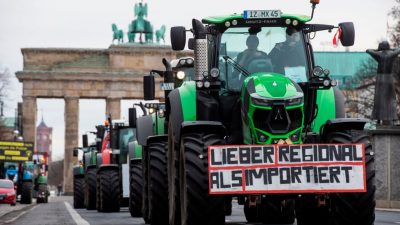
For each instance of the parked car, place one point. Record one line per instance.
(7, 192)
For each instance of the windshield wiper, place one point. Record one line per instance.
(236, 65)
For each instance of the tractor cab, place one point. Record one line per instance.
(260, 66)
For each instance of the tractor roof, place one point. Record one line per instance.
(223, 19)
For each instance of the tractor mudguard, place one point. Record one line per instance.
(135, 150)
(342, 124)
(330, 104)
(99, 160)
(144, 129)
(157, 138)
(183, 105)
(90, 167)
(108, 167)
(203, 126)
(78, 171)
(135, 161)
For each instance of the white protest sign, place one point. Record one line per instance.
(258, 169)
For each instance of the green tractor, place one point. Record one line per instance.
(148, 170)
(85, 172)
(112, 164)
(263, 123)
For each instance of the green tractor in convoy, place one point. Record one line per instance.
(85, 173)
(263, 123)
(149, 185)
(112, 170)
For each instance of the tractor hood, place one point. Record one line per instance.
(272, 86)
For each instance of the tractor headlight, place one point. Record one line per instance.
(294, 101)
(180, 75)
(189, 61)
(214, 72)
(260, 100)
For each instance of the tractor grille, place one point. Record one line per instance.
(278, 120)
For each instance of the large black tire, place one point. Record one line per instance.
(158, 183)
(26, 193)
(79, 183)
(252, 214)
(110, 191)
(198, 207)
(90, 189)
(136, 185)
(98, 199)
(277, 211)
(42, 188)
(174, 209)
(310, 212)
(355, 208)
(145, 187)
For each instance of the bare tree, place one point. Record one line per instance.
(360, 90)
(394, 31)
(4, 85)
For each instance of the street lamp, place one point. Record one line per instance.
(1, 110)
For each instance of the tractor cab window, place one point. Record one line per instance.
(244, 51)
(126, 135)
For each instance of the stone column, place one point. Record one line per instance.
(386, 146)
(71, 117)
(113, 107)
(29, 110)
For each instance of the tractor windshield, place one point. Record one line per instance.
(126, 135)
(244, 51)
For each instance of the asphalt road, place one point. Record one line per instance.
(59, 211)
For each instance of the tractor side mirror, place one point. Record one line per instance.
(85, 141)
(178, 38)
(148, 87)
(348, 34)
(75, 152)
(191, 44)
(132, 117)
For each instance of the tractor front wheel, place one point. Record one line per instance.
(355, 208)
(110, 191)
(158, 183)
(78, 192)
(198, 207)
(90, 189)
(135, 194)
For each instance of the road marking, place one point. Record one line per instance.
(75, 215)
(19, 215)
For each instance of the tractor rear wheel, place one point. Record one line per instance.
(355, 208)
(158, 183)
(277, 211)
(90, 189)
(78, 192)
(26, 192)
(110, 190)
(198, 207)
(135, 194)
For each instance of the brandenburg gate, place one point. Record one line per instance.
(112, 74)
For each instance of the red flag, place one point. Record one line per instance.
(337, 36)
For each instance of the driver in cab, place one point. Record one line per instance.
(288, 53)
(244, 58)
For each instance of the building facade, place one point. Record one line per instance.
(44, 139)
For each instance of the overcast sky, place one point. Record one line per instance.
(87, 24)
